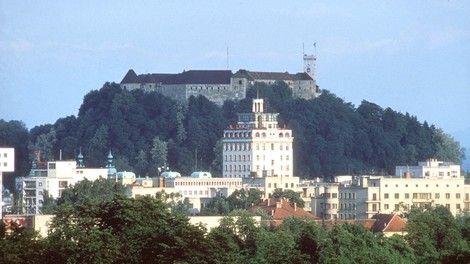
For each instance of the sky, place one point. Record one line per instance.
(411, 56)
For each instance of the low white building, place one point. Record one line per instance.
(7, 164)
(54, 178)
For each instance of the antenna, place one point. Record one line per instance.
(303, 48)
(315, 45)
(227, 59)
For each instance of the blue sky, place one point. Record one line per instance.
(412, 56)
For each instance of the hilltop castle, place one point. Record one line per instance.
(221, 85)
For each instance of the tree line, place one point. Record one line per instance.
(95, 223)
(147, 132)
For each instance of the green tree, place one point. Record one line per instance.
(46, 142)
(217, 163)
(20, 245)
(159, 152)
(98, 147)
(435, 236)
(14, 134)
(244, 198)
(291, 195)
(277, 246)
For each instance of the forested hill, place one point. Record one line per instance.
(331, 136)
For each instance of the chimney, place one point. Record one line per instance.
(295, 207)
(268, 202)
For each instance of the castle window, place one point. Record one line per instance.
(240, 82)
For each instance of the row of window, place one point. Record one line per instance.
(286, 185)
(195, 193)
(234, 168)
(248, 167)
(206, 183)
(417, 185)
(247, 146)
(249, 134)
(422, 196)
(347, 196)
(209, 88)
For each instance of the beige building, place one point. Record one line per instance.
(365, 196)
(257, 146)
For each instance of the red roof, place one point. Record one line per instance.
(280, 209)
(388, 223)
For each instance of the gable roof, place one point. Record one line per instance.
(280, 209)
(388, 223)
(275, 76)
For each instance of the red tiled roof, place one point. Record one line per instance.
(280, 209)
(388, 223)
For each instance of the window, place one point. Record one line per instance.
(447, 195)
(457, 206)
(437, 196)
(457, 195)
(397, 196)
(386, 196)
(62, 184)
(407, 196)
(385, 206)
(397, 207)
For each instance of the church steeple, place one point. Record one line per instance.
(111, 169)
(80, 160)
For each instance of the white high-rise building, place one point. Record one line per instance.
(257, 146)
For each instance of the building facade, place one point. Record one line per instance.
(257, 146)
(7, 164)
(54, 178)
(365, 196)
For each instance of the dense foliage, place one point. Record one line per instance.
(147, 131)
(111, 228)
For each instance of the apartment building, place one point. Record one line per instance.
(363, 197)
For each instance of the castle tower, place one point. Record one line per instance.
(256, 146)
(310, 65)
